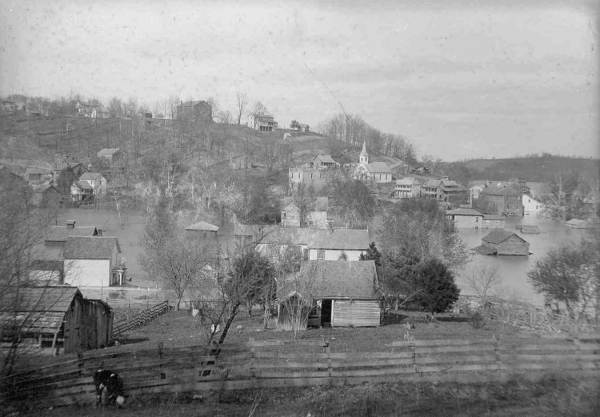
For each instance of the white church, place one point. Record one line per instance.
(378, 172)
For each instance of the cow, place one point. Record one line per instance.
(112, 383)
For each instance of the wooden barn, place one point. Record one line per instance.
(503, 242)
(330, 294)
(55, 317)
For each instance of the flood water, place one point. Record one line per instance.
(512, 270)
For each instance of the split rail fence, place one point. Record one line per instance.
(265, 364)
(141, 318)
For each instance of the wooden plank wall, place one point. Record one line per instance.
(263, 365)
(357, 313)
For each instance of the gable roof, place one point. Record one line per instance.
(464, 212)
(95, 247)
(57, 299)
(343, 239)
(325, 158)
(61, 233)
(203, 226)
(504, 190)
(90, 176)
(107, 152)
(379, 167)
(408, 181)
(493, 217)
(499, 235)
(333, 279)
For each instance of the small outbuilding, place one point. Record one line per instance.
(330, 294)
(503, 242)
(465, 218)
(55, 317)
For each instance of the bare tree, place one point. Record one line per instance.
(483, 281)
(241, 103)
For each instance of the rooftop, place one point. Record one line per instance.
(90, 176)
(334, 279)
(378, 167)
(499, 235)
(203, 226)
(95, 247)
(464, 212)
(61, 233)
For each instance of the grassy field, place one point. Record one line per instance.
(551, 396)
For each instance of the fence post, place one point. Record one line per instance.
(329, 370)
(252, 359)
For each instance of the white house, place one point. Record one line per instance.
(378, 172)
(93, 261)
(409, 187)
(262, 122)
(531, 205)
(96, 181)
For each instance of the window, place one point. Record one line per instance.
(321, 254)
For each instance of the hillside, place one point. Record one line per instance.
(534, 168)
(38, 141)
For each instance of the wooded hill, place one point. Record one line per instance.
(543, 168)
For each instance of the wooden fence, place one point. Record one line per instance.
(141, 318)
(265, 365)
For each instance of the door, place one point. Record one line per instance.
(326, 313)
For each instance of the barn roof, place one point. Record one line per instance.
(46, 299)
(203, 226)
(94, 247)
(499, 235)
(334, 279)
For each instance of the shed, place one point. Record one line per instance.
(330, 294)
(465, 218)
(58, 316)
(503, 242)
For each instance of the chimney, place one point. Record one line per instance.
(70, 224)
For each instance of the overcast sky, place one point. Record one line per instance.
(461, 79)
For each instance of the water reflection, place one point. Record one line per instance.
(514, 284)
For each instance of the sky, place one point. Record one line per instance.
(460, 78)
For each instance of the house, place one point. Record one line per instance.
(91, 110)
(93, 261)
(308, 176)
(501, 198)
(531, 205)
(378, 172)
(36, 175)
(432, 189)
(452, 192)
(207, 235)
(290, 216)
(97, 182)
(465, 218)
(330, 294)
(475, 188)
(46, 195)
(112, 155)
(324, 161)
(503, 242)
(195, 111)
(408, 187)
(493, 221)
(262, 122)
(82, 191)
(55, 317)
(299, 127)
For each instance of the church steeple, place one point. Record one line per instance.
(364, 156)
